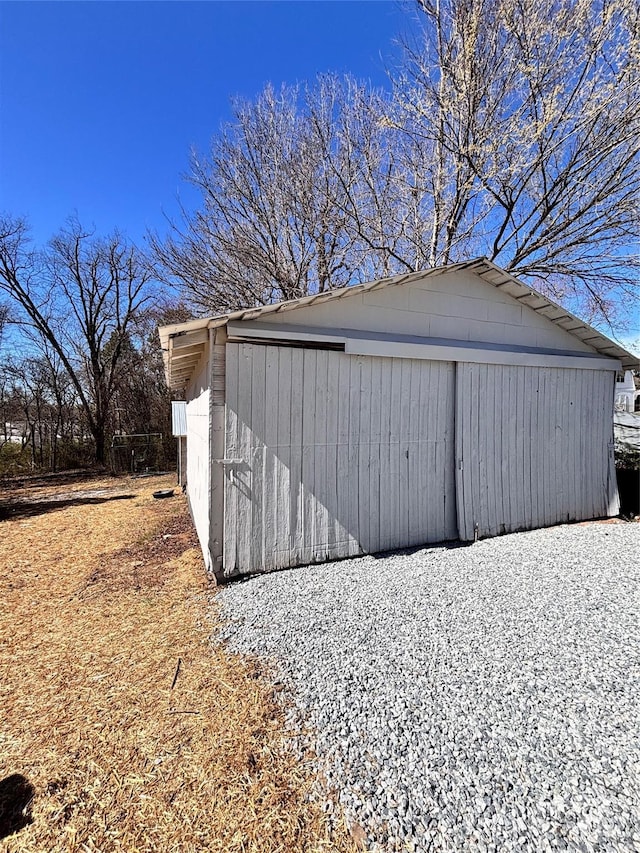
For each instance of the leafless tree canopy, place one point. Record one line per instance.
(530, 110)
(79, 299)
(512, 130)
(39, 411)
(274, 220)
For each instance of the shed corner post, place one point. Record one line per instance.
(613, 496)
(217, 402)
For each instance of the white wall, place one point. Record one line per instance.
(198, 453)
(534, 447)
(626, 394)
(337, 455)
(457, 305)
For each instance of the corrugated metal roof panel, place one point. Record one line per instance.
(178, 417)
(486, 269)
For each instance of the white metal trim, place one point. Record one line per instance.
(383, 344)
(439, 352)
(275, 331)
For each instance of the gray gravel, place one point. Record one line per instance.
(480, 698)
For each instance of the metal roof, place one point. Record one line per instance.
(183, 344)
(178, 417)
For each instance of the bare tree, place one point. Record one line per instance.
(357, 143)
(512, 130)
(143, 399)
(529, 115)
(273, 223)
(10, 407)
(39, 410)
(4, 316)
(32, 386)
(79, 297)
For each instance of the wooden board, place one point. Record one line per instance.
(532, 447)
(339, 455)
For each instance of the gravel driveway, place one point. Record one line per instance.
(471, 698)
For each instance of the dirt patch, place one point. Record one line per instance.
(126, 727)
(148, 563)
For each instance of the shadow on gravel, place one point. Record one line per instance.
(450, 545)
(25, 509)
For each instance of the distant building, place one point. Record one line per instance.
(627, 395)
(14, 432)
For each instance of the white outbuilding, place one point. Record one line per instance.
(454, 403)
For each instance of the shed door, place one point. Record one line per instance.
(336, 455)
(533, 447)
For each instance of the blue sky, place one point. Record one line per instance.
(100, 102)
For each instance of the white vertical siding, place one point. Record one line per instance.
(217, 436)
(533, 447)
(198, 456)
(340, 455)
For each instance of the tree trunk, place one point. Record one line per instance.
(99, 438)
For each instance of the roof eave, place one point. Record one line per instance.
(486, 269)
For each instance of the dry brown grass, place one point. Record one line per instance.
(102, 592)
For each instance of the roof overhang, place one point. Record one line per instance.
(184, 344)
